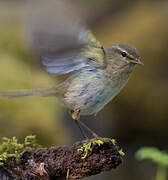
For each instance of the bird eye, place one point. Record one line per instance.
(124, 54)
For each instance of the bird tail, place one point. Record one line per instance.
(43, 92)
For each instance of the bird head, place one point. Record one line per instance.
(121, 56)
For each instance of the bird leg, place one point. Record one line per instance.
(89, 130)
(76, 116)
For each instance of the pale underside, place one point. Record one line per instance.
(90, 90)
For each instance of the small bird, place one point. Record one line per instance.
(96, 74)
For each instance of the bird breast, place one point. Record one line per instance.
(91, 90)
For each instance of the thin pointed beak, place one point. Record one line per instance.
(137, 61)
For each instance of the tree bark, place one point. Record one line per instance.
(62, 162)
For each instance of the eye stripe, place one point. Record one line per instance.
(126, 54)
(129, 56)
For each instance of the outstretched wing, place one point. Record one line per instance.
(62, 40)
(93, 50)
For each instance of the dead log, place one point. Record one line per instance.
(58, 163)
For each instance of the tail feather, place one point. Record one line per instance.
(43, 92)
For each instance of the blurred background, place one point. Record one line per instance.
(137, 117)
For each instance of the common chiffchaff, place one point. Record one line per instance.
(97, 74)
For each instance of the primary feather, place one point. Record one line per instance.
(63, 42)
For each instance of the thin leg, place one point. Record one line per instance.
(76, 116)
(81, 130)
(88, 129)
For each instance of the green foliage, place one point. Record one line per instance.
(153, 154)
(11, 149)
(157, 156)
(87, 146)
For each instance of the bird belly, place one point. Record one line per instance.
(94, 105)
(90, 93)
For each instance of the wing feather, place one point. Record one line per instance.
(63, 41)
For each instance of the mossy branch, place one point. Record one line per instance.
(60, 162)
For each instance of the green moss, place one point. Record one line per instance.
(11, 149)
(87, 146)
(121, 152)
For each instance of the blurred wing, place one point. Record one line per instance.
(43, 92)
(62, 41)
